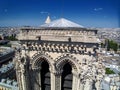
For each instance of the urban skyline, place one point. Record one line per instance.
(88, 13)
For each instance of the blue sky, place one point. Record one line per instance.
(89, 13)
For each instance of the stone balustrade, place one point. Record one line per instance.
(58, 47)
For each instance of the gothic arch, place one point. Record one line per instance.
(38, 58)
(67, 58)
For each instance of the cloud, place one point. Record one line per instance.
(43, 12)
(98, 9)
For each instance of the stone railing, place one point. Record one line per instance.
(58, 47)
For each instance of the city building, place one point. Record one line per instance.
(59, 55)
(111, 82)
(7, 70)
(6, 55)
(8, 85)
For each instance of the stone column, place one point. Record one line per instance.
(58, 81)
(52, 81)
(97, 84)
(75, 80)
(19, 80)
(19, 73)
(88, 84)
(55, 80)
(37, 79)
(27, 80)
(23, 80)
(79, 84)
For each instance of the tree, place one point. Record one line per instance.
(111, 45)
(108, 71)
(119, 46)
(12, 38)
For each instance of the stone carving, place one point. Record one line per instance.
(56, 50)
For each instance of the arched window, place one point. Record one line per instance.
(45, 76)
(67, 77)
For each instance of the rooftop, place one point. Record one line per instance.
(5, 50)
(9, 84)
(62, 22)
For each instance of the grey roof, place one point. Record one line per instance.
(5, 51)
(9, 84)
(62, 22)
(6, 68)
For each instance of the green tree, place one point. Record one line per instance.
(119, 47)
(111, 45)
(108, 71)
(12, 38)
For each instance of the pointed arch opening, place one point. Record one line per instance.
(69, 67)
(45, 76)
(41, 67)
(67, 77)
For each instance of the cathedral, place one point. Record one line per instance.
(58, 55)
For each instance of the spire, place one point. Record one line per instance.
(48, 20)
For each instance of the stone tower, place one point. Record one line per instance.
(60, 55)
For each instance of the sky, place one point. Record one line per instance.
(88, 13)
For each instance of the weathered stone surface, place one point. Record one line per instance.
(55, 49)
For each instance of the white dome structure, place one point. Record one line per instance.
(62, 23)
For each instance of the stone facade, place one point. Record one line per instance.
(58, 47)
